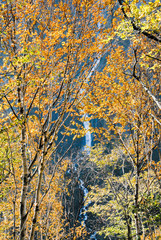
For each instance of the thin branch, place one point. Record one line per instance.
(138, 78)
(135, 27)
(150, 94)
(155, 119)
(11, 107)
(155, 58)
(55, 167)
(28, 111)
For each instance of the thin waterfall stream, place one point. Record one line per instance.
(88, 143)
(88, 137)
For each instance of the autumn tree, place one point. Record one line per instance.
(48, 49)
(126, 94)
(141, 25)
(123, 103)
(49, 53)
(114, 195)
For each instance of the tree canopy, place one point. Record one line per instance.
(63, 60)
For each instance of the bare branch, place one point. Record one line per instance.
(11, 107)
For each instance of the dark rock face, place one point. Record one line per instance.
(72, 204)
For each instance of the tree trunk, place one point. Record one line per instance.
(136, 206)
(136, 215)
(24, 186)
(37, 197)
(129, 237)
(23, 210)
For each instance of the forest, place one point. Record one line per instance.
(80, 119)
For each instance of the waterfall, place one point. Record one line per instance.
(83, 211)
(88, 144)
(88, 137)
(93, 236)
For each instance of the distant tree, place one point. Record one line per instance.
(114, 197)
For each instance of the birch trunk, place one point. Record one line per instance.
(24, 188)
(136, 205)
(23, 210)
(137, 186)
(37, 197)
